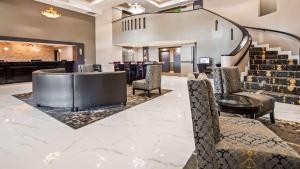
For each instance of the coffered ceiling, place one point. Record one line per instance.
(97, 6)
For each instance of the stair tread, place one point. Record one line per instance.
(271, 84)
(273, 77)
(275, 59)
(274, 93)
(274, 72)
(277, 70)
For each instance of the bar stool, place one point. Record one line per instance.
(127, 68)
(116, 66)
(140, 71)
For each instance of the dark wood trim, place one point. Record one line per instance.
(244, 54)
(19, 39)
(272, 30)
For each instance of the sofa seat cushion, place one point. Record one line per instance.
(247, 143)
(267, 101)
(139, 84)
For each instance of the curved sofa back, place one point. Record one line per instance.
(94, 89)
(54, 88)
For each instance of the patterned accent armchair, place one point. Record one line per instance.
(227, 80)
(232, 142)
(152, 81)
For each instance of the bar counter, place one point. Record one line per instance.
(14, 72)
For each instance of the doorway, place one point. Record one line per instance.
(171, 59)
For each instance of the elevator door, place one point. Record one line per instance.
(165, 58)
(177, 62)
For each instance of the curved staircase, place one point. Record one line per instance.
(273, 72)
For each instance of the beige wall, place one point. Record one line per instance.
(66, 53)
(246, 12)
(195, 26)
(105, 51)
(22, 18)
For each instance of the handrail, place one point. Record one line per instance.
(276, 31)
(244, 54)
(272, 30)
(239, 48)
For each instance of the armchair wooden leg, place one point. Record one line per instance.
(133, 91)
(272, 117)
(148, 93)
(159, 89)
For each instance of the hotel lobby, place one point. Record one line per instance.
(149, 84)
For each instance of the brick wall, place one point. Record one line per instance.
(17, 51)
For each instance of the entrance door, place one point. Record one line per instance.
(165, 58)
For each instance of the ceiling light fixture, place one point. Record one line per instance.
(136, 8)
(51, 12)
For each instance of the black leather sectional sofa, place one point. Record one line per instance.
(55, 88)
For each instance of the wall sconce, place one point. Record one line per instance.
(5, 48)
(59, 50)
(37, 49)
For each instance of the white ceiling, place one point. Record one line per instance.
(97, 6)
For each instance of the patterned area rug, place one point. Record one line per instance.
(82, 118)
(287, 130)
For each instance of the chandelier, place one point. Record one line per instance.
(136, 8)
(51, 12)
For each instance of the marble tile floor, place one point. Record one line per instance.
(154, 135)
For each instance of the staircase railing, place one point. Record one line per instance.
(276, 31)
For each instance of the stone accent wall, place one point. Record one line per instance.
(18, 51)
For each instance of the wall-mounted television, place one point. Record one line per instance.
(204, 60)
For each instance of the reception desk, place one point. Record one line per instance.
(14, 72)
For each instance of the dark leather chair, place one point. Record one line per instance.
(140, 70)
(116, 66)
(97, 68)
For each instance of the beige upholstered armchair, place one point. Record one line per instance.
(152, 81)
(227, 80)
(232, 142)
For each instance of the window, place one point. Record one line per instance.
(267, 7)
(144, 23)
(128, 25)
(139, 23)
